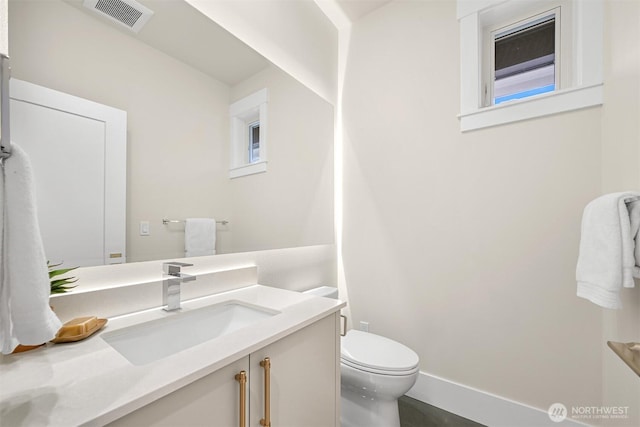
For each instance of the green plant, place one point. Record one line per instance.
(60, 285)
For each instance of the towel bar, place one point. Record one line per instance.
(180, 221)
(5, 137)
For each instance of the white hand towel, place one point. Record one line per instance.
(24, 285)
(634, 216)
(606, 261)
(200, 237)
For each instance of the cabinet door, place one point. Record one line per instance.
(212, 401)
(305, 378)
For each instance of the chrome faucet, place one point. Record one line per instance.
(171, 284)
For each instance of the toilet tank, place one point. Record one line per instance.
(323, 291)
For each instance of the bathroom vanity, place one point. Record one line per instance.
(289, 359)
(301, 389)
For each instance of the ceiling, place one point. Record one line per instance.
(181, 31)
(356, 9)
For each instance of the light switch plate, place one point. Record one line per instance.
(144, 228)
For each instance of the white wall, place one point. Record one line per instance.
(621, 170)
(464, 246)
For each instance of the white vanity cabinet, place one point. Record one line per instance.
(304, 378)
(212, 401)
(303, 387)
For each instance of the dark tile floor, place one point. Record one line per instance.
(414, 413)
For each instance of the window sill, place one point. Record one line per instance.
(529, 108)
(250, 169)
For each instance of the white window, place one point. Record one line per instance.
(254, 142)
(249, 135)
(521, 59)
(524, 59)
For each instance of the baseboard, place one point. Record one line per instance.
(479, 406)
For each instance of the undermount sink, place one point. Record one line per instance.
(156, 339)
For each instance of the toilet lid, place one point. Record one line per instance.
(376, 352)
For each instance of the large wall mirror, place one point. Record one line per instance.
(176, 79)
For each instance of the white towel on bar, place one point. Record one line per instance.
(25, 315)
(200, 237)
(608, 255)
(634, 215)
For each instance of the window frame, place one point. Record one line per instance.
(243, 113)
(581, 70)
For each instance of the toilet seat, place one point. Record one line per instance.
(370, 370)
(376, 354)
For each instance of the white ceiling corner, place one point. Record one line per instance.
(356, 9)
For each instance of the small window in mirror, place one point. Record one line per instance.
(254, 142)
(249, 134)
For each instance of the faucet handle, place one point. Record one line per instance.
(172, 268)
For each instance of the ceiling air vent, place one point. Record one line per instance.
(128, 13)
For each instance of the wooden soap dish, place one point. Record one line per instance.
(628, 352)
(79, 329)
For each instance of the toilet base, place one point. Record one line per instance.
(370, 390)
(362, 411)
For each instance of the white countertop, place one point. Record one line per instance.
(90, 383)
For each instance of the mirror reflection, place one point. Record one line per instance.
(182, 81)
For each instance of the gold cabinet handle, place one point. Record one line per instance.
(242, 379)
(266, 364)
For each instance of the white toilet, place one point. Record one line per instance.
(375, 372)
